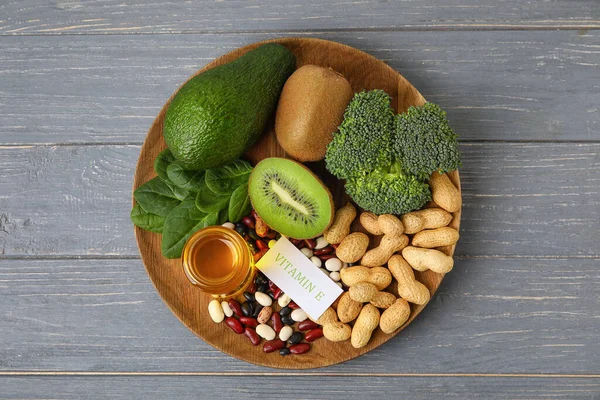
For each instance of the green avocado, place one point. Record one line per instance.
(218, 115)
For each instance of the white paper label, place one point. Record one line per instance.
(299, 278)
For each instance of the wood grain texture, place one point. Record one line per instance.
(515, 85)
(488, 316)
(326, 387)
(363, 72)
(160, 16)
(536, 199)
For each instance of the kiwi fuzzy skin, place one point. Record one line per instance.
(330, 198)
(311, 107)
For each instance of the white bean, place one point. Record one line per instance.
(286, 332)
(263, 299)
(226, 309)
(317, 261)
(321, 243)
(215, 311)
(335, 276)
(265, 332)
(333, 264)
(299, 315)
(307, 252)
(229, 225)
(284, 300)
(339, 284)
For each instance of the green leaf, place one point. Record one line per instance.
(186, 179)
(239, 204)
(225, 179)
(180, 224)
(158, 197)
(145, 220)
(161, 163)
(209, 202)
(223, 216)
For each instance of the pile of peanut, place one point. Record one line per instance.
(383, 277)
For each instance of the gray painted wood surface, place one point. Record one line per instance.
(520, 199)
(300, 387)
(114, 16)
(515, 85)
(80, 83)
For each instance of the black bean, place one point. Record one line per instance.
(295, 338)
(252, 246)
(260, 279)
(249, 296)
(288, 320)
(285, 311)
(253, 234)
(240, 228)
(284, 352)
(247, 309)
(262, 287)
(257, 309)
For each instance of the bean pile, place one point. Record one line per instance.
(266, 312)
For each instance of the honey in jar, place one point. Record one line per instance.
(218, 261)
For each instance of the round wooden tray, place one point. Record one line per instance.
(188, 303)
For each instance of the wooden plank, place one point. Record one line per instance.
(106, 17)
(298, 387)
(519, 199)
(523, 85)
(494, 316)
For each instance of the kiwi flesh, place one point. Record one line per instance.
(290, 198)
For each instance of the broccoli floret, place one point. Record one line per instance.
(388, 190)
(425, 142)
(362, 142)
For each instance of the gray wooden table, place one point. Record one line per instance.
(80, 83)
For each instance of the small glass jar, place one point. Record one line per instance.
(218, 261)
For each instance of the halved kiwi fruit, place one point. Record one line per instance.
(290, 198)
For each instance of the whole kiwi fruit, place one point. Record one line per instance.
(310, 108)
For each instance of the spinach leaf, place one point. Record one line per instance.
(180, 224)
(161, 163)
(158, 197)
(223, 216)
(239, 204)
(209, 202)
(224, 180)
(145, 220)
(185, 179)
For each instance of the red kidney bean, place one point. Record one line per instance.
(252, 335)
(272, 287)
(310, 243)
(295, 242)
(235, 306)
(248, 221)
(307, 325)
(271, 235)
(324, 250)
(313, 334)
(299, 348)
(272, 345)
(258, 256)
(276, 321)
(261, 245)
(249, 321)
(293, 305)
(253, 214)
(252, 287)
(276, 293)
(234, 324)
(335, 246)
(326, 257)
